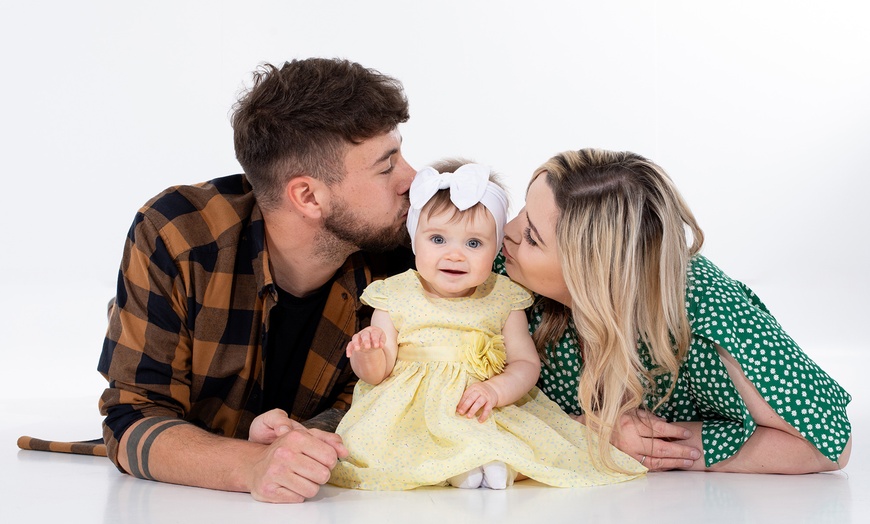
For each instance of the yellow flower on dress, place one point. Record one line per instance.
(484, 355)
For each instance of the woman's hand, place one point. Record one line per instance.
(652, 441)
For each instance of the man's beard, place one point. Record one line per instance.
(344, 231)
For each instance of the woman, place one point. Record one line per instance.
(675, 364)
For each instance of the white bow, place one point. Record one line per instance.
(468, 186)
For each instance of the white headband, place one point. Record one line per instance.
(468, 185)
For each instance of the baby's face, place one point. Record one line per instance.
(454, 255)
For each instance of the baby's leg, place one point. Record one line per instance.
(468, 480)
(497, 475)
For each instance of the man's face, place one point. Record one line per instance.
(369, 206)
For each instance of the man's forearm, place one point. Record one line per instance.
(174, 451)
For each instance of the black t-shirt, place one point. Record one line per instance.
(292, 323)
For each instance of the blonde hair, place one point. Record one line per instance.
(621, 236)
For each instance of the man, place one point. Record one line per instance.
(237, 297)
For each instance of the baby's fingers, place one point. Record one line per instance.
(365, 340)
(486, 410)
(369, 338)
(468, 399)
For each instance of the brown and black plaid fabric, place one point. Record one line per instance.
(189, 324)
(84, 447)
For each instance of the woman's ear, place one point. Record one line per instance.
(306, 195)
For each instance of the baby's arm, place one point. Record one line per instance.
(520, 373)
(372, 351)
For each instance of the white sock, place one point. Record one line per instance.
(469, 480)
(497, 475)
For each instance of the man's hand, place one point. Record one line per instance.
(478, 397)
(652, 441)
(297, 460)
(368, 340)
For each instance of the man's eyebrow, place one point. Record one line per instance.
(386, 156)
(534, 229)
(389, 153)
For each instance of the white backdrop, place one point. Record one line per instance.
(759, 110)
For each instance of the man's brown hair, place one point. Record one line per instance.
(299, 119)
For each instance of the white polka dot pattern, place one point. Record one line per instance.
(725, 312)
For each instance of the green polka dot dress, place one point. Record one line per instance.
(723, 312)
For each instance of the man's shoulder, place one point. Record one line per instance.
(179, 200)
(201, 214)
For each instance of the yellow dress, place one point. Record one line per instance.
(404, 432)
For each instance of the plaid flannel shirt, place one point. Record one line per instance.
(190, 319)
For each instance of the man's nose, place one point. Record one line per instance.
(405, 173)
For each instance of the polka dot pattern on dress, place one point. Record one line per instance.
(724, 312)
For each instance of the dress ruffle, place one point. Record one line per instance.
(484, 355)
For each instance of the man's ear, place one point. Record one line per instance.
(306, 195)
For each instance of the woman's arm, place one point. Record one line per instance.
(373, 350)
(520, 374)
(775, 446)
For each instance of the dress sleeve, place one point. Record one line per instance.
(377, 295)
(517, 296)
(146, 352)
(726, 313)
(520, 297)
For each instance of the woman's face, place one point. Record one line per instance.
(531, 256)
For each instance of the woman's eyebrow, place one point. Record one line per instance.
(534, 229)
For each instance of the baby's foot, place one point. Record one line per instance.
(468, 480)
(497, 475)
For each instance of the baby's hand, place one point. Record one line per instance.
(368, 340)
(478, 397)
(268, 426)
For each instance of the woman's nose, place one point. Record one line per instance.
(511, 231)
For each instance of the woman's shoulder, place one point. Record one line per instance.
(707, 284)
(720, 307)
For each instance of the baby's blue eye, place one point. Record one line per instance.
(474, 243)
(437, 239)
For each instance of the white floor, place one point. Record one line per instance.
(44, 487)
